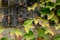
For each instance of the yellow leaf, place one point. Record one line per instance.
(57, 27)
(36, 20)
(28, 28)
(1, 29)
(33, 7)
(16, 32)
(50, 15)
(50, 32)
(55, 18)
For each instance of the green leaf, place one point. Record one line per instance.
(57, 37)
(50, 5)
(47, 0)
(27, 25)
(41, 0)
(50, 15)
(33, 39)
(42, 5)
(58, 12)
(57, 2)
(55, 18)
(44, 11)
(27, 22)
(29, 35)
(4, 38)
(57, 27)
(41, 33)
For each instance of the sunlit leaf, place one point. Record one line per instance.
(29, 35)
(27, 25)
(1, 29)
(53, 1)
(45, 23)
(42, 5)
(50, 15)
(58, 12)
(57, 27)
(55, 18)
(42, 22)
(32, 7)
(50, 31)
(17, 32)
(28, 28)
(36, 20)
